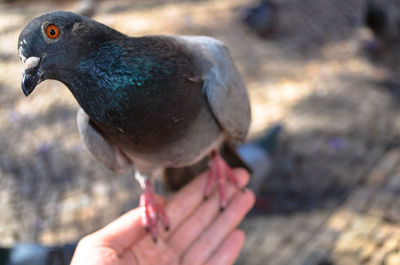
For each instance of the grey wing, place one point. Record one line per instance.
(223, 86)
(107, 154)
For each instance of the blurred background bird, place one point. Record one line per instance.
(262, 18)
(383, 19)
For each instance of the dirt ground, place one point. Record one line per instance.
(339, 109)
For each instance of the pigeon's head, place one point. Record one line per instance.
(49, 44)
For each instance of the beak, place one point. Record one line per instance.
(32, 75)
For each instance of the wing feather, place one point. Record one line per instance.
(223, 86)
(104, 152)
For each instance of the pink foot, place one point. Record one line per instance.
(152, 210)
(219, 170)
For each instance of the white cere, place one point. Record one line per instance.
(31, 62)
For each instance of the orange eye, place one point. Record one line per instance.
(52, 31)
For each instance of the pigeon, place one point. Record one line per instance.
(35, 254)
(376, 19)
(262, 18)
(257, 155)
(150, 102)
(383, 19)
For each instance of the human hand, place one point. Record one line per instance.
(199, 232)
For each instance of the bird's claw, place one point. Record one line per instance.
(152, 211)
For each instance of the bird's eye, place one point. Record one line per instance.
(52, 31)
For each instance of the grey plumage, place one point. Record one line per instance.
(223, 85)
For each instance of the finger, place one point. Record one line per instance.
(128, 229)
(229, 250)
(92, 251)
(201, 250)
(123, 232)
(191, 228)
(146, 252)
(188, 199)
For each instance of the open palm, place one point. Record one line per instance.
(199, 233)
